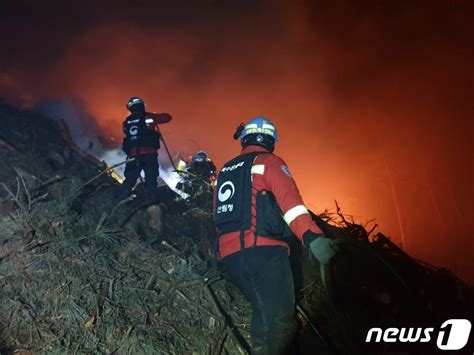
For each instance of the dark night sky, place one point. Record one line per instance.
(365, 93)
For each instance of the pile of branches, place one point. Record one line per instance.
(372, 282)
(72, 283)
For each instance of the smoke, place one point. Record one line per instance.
(166, 171)
(371, 99)
(84, 128)
(112, 157)
(87, 134)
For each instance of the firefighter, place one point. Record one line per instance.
(257, 207)
(142, 141)
(202, 166)
(198, 176)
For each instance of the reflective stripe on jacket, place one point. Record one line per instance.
(136, 151)
(270, 173)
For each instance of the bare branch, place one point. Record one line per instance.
(109, 168)
(25, 187)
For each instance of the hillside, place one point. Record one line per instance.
(81, 273)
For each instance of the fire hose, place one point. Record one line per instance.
(306, 317)
(166, 149)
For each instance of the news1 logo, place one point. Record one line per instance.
(452, 335)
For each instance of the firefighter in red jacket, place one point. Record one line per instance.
(142, 141)
(257, 206)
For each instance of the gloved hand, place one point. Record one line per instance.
(322, 248)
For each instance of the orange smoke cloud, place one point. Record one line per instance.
(371, 102)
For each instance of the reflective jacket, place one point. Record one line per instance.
(269, 173)
(141, 136)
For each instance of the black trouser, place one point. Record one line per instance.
(263, 275)
(149, 164)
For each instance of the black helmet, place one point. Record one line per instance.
(135, 104)
(200, 156)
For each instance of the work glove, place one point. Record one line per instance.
(321, 247)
